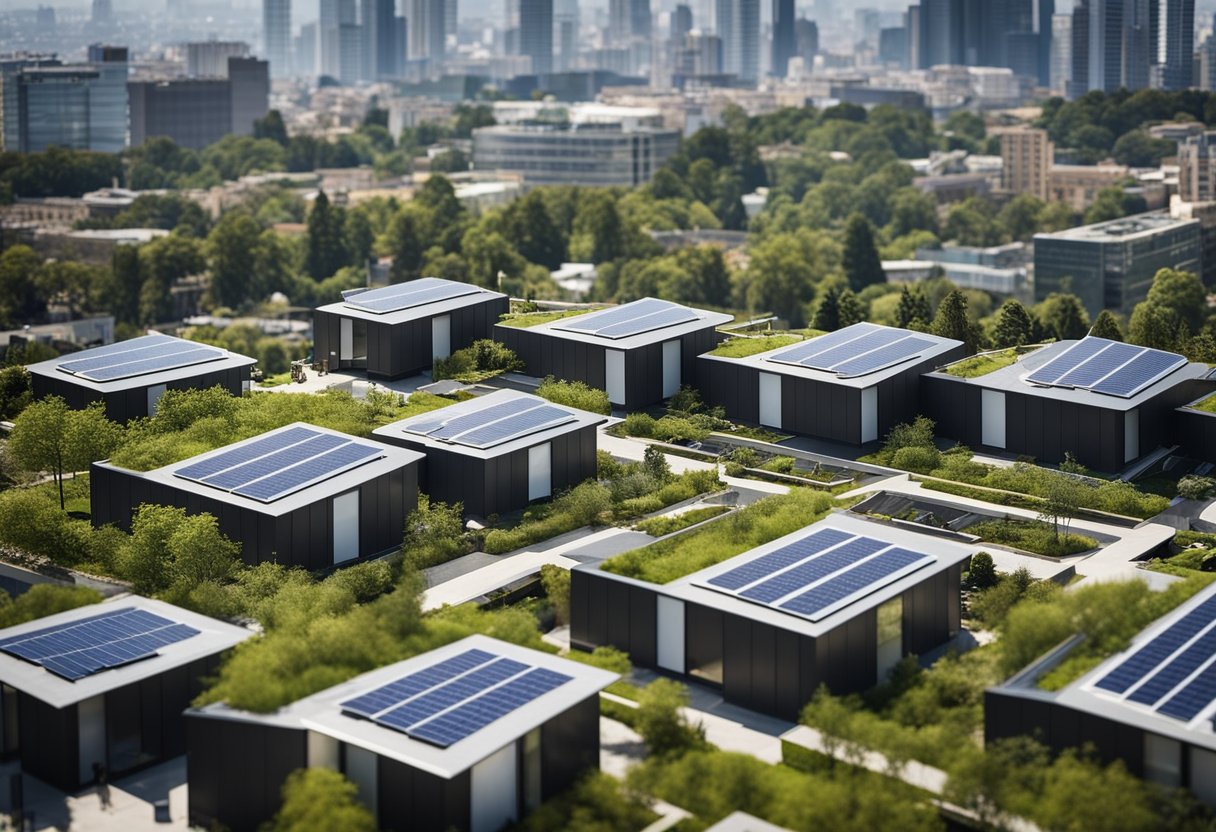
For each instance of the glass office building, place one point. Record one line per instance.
(44, 103)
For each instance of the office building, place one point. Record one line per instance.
(629, 21)
(701, 55)
(209, 59)
(340, 46)
(579, 154)
(1026, 158)
(565, 30)
(103, 12)
(1197, 168)
(893, 46)
(1174, 43)
(1060, 73)
(681, 22)
(806, 40)
(45, 103)
(305, 57)
(1104, 403)
(536, 33)
(785, 42)
(767, 642)
(130, 377)
(64, 715)
(850, 386)
(737, 22)
(426, 27)
(276, 33)
(639, 353)
(499, 452)
(197, 112)
(479, 765)
(378, 28)
(1111, 265)
(399, 330)
(1150, 707)
(299, 495)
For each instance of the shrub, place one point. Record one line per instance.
(42, 600)
(318, 798)
(917, 434)
(574, 394)
(745, 457)
(34, 524)
(638, 424)
(920, 459)
(780, 465)
(686, 400)
(456, 365)
(982, 573)
(665, 525)
(556, 583)
(677, 429)
(596, 803)
(434, 533)
(661, 722)
(481, 358)
(1194, 487)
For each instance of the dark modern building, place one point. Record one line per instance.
(499, 452)
(1195, 429)
(1105, 402)
(837, 603)
(851, 386)
(299, 495)
(1153, 706)
(468, 737)
(104, 684)
(1111, 265)
(44, 103)
(400, 330)
(639, 353)
(131, 376)
(196, 112)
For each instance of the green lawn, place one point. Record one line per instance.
(982, 364)
(528, 319)
(743, 347)
(1207, 405)
(1032, 536)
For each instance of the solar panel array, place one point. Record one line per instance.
(818, 574)
(453, 699)
(645, 315)
(408, 295)
(494, 424)
(1173, 674)
(280, 463)
(856, 350)
(1109, 367)
(139, 356)
(80, 648)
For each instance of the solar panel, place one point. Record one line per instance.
(782, 558)
(494, 424)
(889, 356)
(147, 354)
(1109, 367)
(645, 315)
(279, 439)
(855, 350)
(865, 577)
(388, 696)
(267, 465)
(1198, 694)
(796, 353)
(828, 359)
(86, 646)
(1131, 669)
(814, 576)
(466, 719)
(451, 694)
(1200, 652)
(409, 294)
(303, 474)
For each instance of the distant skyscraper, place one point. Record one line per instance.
(784, 36)
(338, 49)
(451, 16)
(738, 24)
(81, 106)
(276, 31)
(378, 22)
(681, 22)
(1175, 43)
(1078, 76)
(565, 28)
(305, 62)
(536, 33)
(209, 58)
(103, 11)
(639, 18)
(108, 99)
(426, 29)
(1061, 52)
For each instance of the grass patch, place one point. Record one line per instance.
(1190, 552)
(1207, 405)
(1031, 536)
(745, 529)
(660, 526)
(574, 394)
(743, 347)
(523, 320)
(982, 364)
(596, 802)
(276, 380)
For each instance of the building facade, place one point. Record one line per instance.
(585, 154)
(45, 103)
(196, 112)
(1026, 159)
(1196, 170)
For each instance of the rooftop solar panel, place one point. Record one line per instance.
(820, 343)
(251, 450)
(782, 558)
(645, 315)
(409, 294)
(1101, 365)
(451, 693)
(457, 425)
(139, 356)
(863, 578)
(648, 323)
(815, 569)
(1079, 352)
(1192, 699)
(86, 646)
(512, 427)
(394, 693)
(1201, 651)
(856, 350)
(267, 465)
(469, 717)
(1109, 367)
(1140, 372)
(495, 424)
(879, 359)
(303, 474)
(828, 359)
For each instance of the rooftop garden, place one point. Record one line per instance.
(688, 420)
(1207, 404)
(743, 347)
(524, 320)
(982, 364)
(1032, 536)
(479, 361)
(747, 528)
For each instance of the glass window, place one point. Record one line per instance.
(890, 636)
(1162, 760)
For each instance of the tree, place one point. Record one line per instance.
(1106, 325)
(271, 126)
(20, 301)
(358, 238)
(1138, 149)
(1020, 216)
(326, 247)
(861, 263)
(1014, 328)
(1182, 293)
(48, 436)
(913, 306)
(661, 722)
(1062, 498)
(827, 313)
(952, 322)
(316, 799)
(405, 244)
(229, 248)
(535, 234)
(982, 572)
(1062, 316)
(15, 390)
(849, 310)
(598, 217)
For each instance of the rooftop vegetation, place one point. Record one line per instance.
(743, 347)
(525, 320)
(982, 364)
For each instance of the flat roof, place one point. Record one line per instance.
(1012, 379)
(322, 712)
(699, 319)
(213, 637)
(203, 359)
(1084, 694)
(509, 404)
(743, 822)
(390, 458)
(777, 361)
(470, 295)
(942, 553)
(1120, 230)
